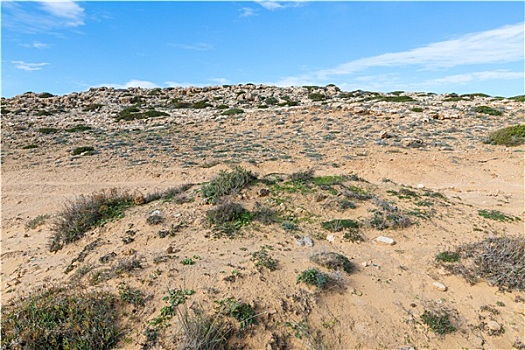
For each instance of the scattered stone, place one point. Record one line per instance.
(385, 240)
(305, 241)
(440, 286)
(330, 238)
(493, 326)
(263, 192)
(128, 252)
(412, 142)
(420, 186)
(365, 263)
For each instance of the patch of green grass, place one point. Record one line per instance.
(328, 180)
(131, 296)
(316, 96)
(404, 193)
(315, 278)
(233, 111)
(333, 261)
(497, 215)
(227, 183)
(47, 130)
(338, 225)
(86, 150)
(487, 110)
(448, 256)
(510, 136)
(438, 323)
(61, 318)
(134, 113)
(261, 258)
(85, 213)
(202, 104)
(187, 261)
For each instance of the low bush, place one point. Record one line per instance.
(242, 312)
(315, 278)
(438, 322)
(232, 111)
(229, 217)
(48, 130)
(261, 258)
(338, 225)
(333, 261)
(86, 150)
(510, 136)
(203, 332)
(85, 213)
(60, 318)
(227, 183)
(487, 110)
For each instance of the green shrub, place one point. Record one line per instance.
(338, 225)
(510, 136)
(229, 217)
(134, 113)
(87, 150)
(271, 101)
(85, 213)
(233, 111)
(438, 322)
(227, 183)
(202, 104)
(388, 216)
(242, 312)
(314, 277)
(333, 261)
(448, 257)
(417, 109)
(48, 130)
(61, 318)
(45, 95)
(131, 296)
(520, 98)
(31, 146)
(262, 259)
(223, 106)
(496, 215)
(487, 110)
(44, 113)
(79, 128)
(397, 99)
(317, 97)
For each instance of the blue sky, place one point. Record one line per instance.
(67, 46)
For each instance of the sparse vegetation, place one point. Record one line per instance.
(131, 296)
(487, 110)
(496, 215)
(388, 216)
(333, 261)
(261, 258)
(438, 322)
(133, 113)
(448, 256)
(31, 146)
(229, 217)
(499, 260)
(233, 111)
(47, 130)
(83, 150)
(338, 225)
(510, 136)
(78, 128)
(227, 183)
(59, 318)
(315, 278)
(87, 212)
(203, 332)
(242, 312)
(38, 221)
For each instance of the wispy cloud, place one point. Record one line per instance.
(461, 79)
(132, 83)
(69, 11)
(278, 5)
(195, 47)
(29, 67)
(501, 45)
(247, 12)
(37, 45)
(220, 81)
(36, 17)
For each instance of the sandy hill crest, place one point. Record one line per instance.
(264, 217)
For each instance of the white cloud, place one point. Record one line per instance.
(37, 45)
(220, 81)
(71, 12)
(461, 79)
(196, 46)
(177, 84)
(29, 67)
(132, 83)
(501, 45)
(247, 12)
(277, 5)
(47, 16)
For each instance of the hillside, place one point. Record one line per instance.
(251, 215)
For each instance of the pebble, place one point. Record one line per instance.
(493, 326)
(330, 238)
(305, 241)
(385, 240)
(440, 286)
